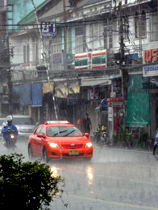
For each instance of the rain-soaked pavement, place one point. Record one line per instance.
(117, 179)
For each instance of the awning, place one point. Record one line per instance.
(36, 94)
(114, 76)
(25, 94)
(95, 82)
(19, 34)
(137, 109)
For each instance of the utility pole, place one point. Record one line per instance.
(44, 58)
(124, 72)
(9, 78)
(64, 11)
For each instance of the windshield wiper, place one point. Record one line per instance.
(60, 132)
(70, 132)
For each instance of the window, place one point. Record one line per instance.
(37, 130)
(57, 42)
(78, 40)
(96, 36)
(125, 27)
(63, 131)
(69, 40)
(140, 25)
(42, 131)
(108, 35)
(26, 54)
(35, 50)
(154, 28)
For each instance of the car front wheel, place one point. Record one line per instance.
(45, 156)
(30, 152)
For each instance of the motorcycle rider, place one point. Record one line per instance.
(8, 126)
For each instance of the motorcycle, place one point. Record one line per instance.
(101, 135)
(11, 140)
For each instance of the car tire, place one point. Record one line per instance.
(45, 156)
(156, 153)
(30, 155)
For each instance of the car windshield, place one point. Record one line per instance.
(23, 121)
(55, 131)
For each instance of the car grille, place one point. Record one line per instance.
(67, 155)
(76, 146)
(52, 153)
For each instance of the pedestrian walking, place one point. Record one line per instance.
(86, 124)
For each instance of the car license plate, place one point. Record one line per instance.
(73, 152)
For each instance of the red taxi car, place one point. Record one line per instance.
(59, 139)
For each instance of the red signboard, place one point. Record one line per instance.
(151, 55)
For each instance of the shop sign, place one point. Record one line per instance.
(74, 88)
(113, 94)
(150, 56)
(61, 91)
(110, 113)
(91, 60)
(117, 103)
(94, 94)
(48, 87)
(48, 29)
(104, 105)
(117, 90)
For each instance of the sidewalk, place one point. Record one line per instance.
(121, 146)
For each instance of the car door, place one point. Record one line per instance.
(34, 144)
(40, 142)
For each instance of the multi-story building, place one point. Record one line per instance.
(106, 39)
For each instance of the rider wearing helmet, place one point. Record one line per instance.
(9, 125)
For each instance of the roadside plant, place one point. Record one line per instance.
(123, 134)
(27, 185)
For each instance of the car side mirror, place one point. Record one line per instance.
(40, 135)
(86, 134)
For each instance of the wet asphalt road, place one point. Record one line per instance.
(117, 179)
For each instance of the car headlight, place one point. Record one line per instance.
(53, 145)
(89, 144)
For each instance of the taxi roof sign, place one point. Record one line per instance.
(57, 122)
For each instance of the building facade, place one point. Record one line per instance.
(95, 43)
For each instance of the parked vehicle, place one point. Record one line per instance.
(59, 139)
(2, 120)
(25, 125)
(101, 135)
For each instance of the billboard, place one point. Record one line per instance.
(91, 60)
(150, 57)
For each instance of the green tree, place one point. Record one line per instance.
(26, 185)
